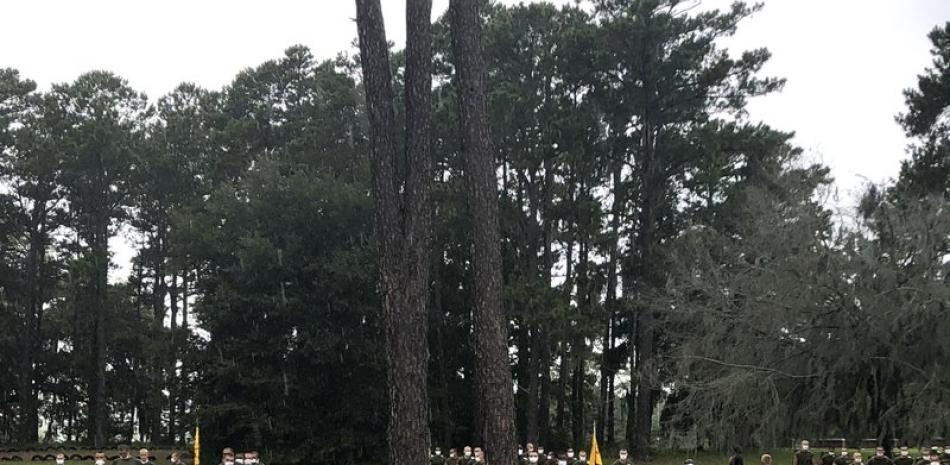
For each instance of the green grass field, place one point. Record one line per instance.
(779, 456)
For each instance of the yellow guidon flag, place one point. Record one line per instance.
(594, 457)
(197, 445)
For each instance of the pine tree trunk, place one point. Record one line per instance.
(577, 398)
(30, 334)
(173, 301)
(578, 347)
(402, 221)
(184, 299)
(647, 276)
(540, 385)
(607, 375)
(153, 424)
(630, 431)
(445, 394)
(544, 403)
(492, 367)
(171, 376)
(564, 369)
(100, 303)
(561, 397)
(531, 396)
(611, 408)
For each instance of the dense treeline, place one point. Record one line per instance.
(669, 266)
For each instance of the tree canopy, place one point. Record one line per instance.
(666, 266)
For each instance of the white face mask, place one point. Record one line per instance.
(533, 459)
(623, 456)
(935, 462)
(438, 453)
(60, 461)
(541, 450)
(520, 452)
(468, 454)
(904, 453)
(804, 446)
(570, 455)
(100, 462)
(562, 462)
(229, 462)
(583, 457)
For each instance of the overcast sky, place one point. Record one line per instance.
(846, 61)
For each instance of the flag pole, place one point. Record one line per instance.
(197, 452)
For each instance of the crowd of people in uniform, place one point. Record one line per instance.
(846, 456)
(125, 457)
(531, 455)
(528, 455)
(228, 457)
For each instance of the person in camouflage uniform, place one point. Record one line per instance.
(176, 458)
(803, 456)
(453, 458)
(903, 457)
(933, 458)
(533, 457)
(622, 460)
(581, 458)
(524, 457)
(125, 457)
(437, 458)
(736, 458)
(880, 458)
(844, 458)
(145, 457)
(256, 458)
(828, 458)
(479, 456)
(227, 456)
